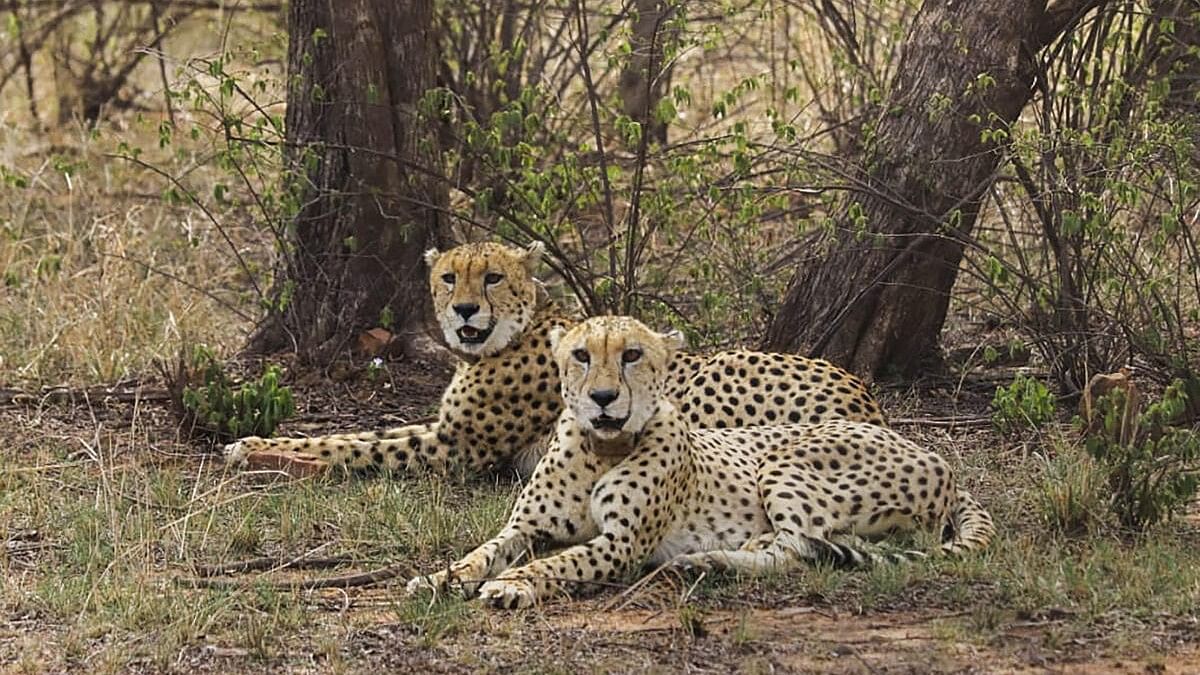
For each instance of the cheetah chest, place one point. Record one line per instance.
(502, 406)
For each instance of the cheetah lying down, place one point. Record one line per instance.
(626, 482)
(499, 409)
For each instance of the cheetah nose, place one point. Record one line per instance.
(466, 311)
(603, 397)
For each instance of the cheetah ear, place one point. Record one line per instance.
(431, 256)
(555, 336)
(675, 339)
(533, 255)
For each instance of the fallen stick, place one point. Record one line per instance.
(941, 421)
(344, 581)
(267, 563)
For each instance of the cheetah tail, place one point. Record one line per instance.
(846, 556)
(969, 527)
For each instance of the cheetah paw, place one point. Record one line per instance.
(461, 577)
(431, 583)
(693, 562)
(238, 452)
(508, 593)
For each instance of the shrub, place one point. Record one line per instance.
(1151, 466)
(1026, 403)
(224, 410)
(1070, 496)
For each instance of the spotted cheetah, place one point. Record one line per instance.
(499, 409)
(626, 482)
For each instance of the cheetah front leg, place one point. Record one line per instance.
(603, 558)
(633, 521)
(422, 450)
(552, 508)
(489, 559)
(239, 451)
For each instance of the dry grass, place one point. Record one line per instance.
(101, 274)
(97, 529)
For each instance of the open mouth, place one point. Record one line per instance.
(469, 335)
(609, 423)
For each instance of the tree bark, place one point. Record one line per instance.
(363, 161)
(875, 295)
(645, 77)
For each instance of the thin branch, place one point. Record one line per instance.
(592, 98)
(184, 282)
(162, 62)
(270, 563)
(203, 208)
(370, 578)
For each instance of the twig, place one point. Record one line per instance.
(942, 421)
(212, 218)
(156, 17)
(20, 397)
(269, 563)
(184, 282)
(592, 96)
(622, 601)
(344, 581)
(26, 59)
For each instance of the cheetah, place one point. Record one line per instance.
(500, 406)
(626, 481)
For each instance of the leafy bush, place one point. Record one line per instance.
(1151, 466)
(1026, 403)
(226, 411)
(1095, 257)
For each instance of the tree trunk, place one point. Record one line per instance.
(1181, 61)
(645, 76)
(875, 297)
(363, 160)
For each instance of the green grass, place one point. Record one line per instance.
(116, 528)
(114, 534)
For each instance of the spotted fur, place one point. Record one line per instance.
(626, 482)
(500, 407)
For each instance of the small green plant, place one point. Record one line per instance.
(1071, 496)
(1026, 403)
(691, 619)
(1152, 467)
(225, 410)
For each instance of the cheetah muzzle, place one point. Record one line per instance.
(606, 423)
(470, 335)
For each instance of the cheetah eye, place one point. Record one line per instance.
(492, 278)
(631, 355)
(448, 277)
(581, 355)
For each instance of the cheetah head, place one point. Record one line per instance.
(613, 371)
(484, 294)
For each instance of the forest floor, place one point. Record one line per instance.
(106, 512)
